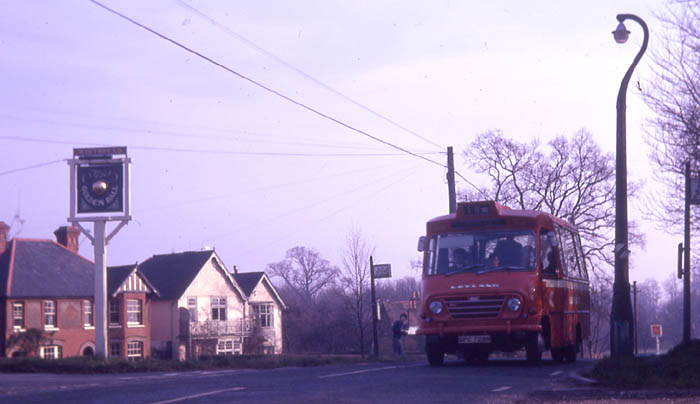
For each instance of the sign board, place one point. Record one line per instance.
(99, 151)
(656, 330)
(382, 271)
(694, 191)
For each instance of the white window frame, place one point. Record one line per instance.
(218, 306)
(134, 349)
(18, 314)
(192, 308)
(88, 314)
(50, 314)
(50, 352)
(132, 311)
(228, 346)
(264, 314)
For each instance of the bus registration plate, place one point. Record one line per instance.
(474, 339)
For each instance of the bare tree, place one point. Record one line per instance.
(356, 278)
(674, 96)
(305, 272)
(569, 178)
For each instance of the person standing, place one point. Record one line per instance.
(398, 330)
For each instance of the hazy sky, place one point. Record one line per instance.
(221, 162)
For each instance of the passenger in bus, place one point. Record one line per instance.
(507, 253)
(460, 259)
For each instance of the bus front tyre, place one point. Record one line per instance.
(534, 348)
(435, 353)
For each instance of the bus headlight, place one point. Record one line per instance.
(435, 307)
(513, 304)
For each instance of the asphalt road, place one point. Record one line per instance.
(499, 381)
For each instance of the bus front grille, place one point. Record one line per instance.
(474, 306)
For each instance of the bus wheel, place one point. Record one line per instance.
(534, 348)
(570, 353)
(434, 352)
(557, 355)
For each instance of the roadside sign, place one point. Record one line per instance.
(382, 271)
(656, 330)
(694, 191)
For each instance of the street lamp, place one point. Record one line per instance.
(621, 319)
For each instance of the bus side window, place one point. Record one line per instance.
(579, 249)
(570, 254)
(548, 252)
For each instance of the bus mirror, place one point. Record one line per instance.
(421, 243)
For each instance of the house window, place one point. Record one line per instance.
(50, 314)
(115, 349)
(114, 312)
(218, 308)
(134, 311)
(192, 308)
(134, 350)
(51, 352)
(87, 314)
(224, 347)
(18, 315)
(263, 314)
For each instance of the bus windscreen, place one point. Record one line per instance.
(480, 252)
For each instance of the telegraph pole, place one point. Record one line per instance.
(686, 261)
(451, 180)
(375, 340)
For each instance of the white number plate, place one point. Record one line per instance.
(474, 339)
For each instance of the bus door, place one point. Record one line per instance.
(554, 286)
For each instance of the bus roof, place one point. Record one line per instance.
(486, 209)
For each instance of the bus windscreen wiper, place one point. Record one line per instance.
(465, 269)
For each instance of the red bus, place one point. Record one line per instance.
(499, 279)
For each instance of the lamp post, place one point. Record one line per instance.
(621, 319)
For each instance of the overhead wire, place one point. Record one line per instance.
(209, 151)
(31, 167)
(305, 74)
(264, 87)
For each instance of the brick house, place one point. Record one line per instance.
(200, 309)
(265, 308)
(129, 312)
(48, 286)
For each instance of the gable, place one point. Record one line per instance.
(172, 274)
(212, 280)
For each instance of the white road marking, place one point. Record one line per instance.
(500, 389)
(367, 370)
(209, 393)
(557, 373)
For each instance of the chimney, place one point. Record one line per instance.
(4, 228)
(67, 236)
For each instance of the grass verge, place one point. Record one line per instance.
(679, 368)
(96, 365)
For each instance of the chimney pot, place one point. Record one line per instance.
(67, 236)
(4, 228)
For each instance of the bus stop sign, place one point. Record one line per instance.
(694, 191)
(656, 330)
(382, 271)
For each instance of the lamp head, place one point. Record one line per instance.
(621, 34)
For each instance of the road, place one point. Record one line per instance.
(499, 381)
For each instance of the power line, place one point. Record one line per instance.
(31, 167)
(264, 87)
(178, 134)
(304, 74)
(210, 151)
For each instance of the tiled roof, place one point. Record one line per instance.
(116, 277)
(42, 268)
(171, 274)
(248, 280)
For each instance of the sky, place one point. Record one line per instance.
(314, 149)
